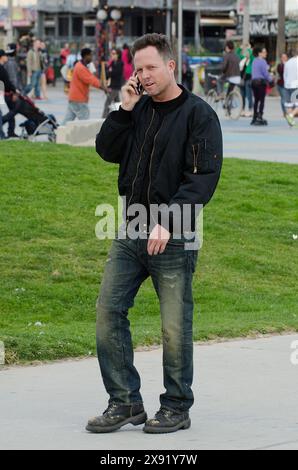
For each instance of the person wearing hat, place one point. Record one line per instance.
(12, 67)
(9, 89)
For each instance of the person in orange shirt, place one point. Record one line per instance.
(78, 96)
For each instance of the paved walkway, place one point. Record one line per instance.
(246, 398)
(277, 142)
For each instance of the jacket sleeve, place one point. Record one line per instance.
(87, 77)
(114, 135)
(11, 69)
(224, 64)
(29, 61)
(265, 72)
(203, 162)
(8, 85)
(202, 166)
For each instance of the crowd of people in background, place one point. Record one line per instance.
(248, 68)
(27, 68)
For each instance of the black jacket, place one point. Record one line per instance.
(115, 73)
(8, 85)
(12, 70)
(186, 153)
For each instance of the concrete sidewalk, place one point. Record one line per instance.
(275, 142)
(246, 398)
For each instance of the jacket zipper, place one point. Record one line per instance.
(151, 156)
(196, 155)
(195, 158)
(133, 183)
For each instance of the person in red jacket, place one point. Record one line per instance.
(78, 96)
(64, 54)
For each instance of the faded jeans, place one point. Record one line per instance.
(34, 84)
(246, 93)
(127, 266)
(112, 97)
(76, 110)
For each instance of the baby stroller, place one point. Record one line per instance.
(38, 123)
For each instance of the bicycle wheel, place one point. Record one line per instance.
(234, 104)
(212, 99)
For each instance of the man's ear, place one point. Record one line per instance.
(172, 65)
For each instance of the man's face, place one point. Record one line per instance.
(88, 58)
(3, 59)
(154, 73)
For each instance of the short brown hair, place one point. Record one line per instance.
(159, 41)
(230, 45)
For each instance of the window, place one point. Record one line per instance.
(149, 24)
(50, 32)
(137, 25)
(77, 26)
(90, 31)
(63, 29)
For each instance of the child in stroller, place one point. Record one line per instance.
(37, 123)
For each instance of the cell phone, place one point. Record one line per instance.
(140, 88)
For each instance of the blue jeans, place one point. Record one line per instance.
(2, 135)
(127, 266)
(76, 110)
(246, 92)
(283, 97)
(35, 83)
(10, 116)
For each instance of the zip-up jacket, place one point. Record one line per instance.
(8, 85)
(184, 153)
(12, 69)
(231, 65)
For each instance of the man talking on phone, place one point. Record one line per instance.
(168, 145)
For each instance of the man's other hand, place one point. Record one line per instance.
(158, 240)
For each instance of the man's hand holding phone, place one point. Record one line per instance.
(131, 93)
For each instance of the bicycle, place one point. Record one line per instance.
(232, 102)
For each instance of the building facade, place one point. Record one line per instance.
(74, 21)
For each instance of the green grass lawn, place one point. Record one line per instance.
(51, 262)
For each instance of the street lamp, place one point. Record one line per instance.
(101, 15)
(101, 34)
(115, 15)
